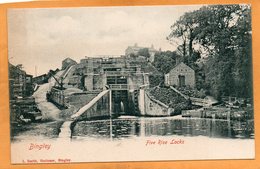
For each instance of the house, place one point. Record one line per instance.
(135, 49)
(20, 82)
(17, 80)
(68, 62)
(181, 75)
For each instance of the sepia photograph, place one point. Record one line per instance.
(130, 83)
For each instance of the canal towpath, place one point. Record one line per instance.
(51, 122)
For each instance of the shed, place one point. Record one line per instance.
(181, 75)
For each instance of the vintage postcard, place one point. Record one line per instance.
(130, 83)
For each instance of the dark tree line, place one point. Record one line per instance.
(221, 34)
(165, 61)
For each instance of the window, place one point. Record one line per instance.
(151, 106)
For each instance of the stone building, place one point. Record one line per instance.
(20, 82)
(135, 49)
(181, 75)
(121, 74)
(100, 72)
(68, 62)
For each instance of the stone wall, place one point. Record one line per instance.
(99, 110)
(98, 82)
(152, 107)
(135, 80)
(56, 96)
(79, 100)
(141, 101)
(88, 84)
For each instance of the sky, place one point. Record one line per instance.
(40, 39)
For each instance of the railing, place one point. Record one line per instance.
(112, 65)
(119, 87)
(199, 101)
(195, 101)
(122, 86)
(234, 99)
(123, 73)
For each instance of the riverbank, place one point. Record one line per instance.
(48, 128)
(45, 129)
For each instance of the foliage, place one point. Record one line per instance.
(155, 80)
(132, 55)
(165, 61)
(222, 33)
(19, 66)
(144, 52)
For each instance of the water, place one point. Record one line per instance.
(144, 127)
(91, 140)
(65, 131)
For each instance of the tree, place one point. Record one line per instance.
(19, 66)
(230, 40)
(223, 34)
(144, 52)
(183, 34)
(165, 61)
(132, 55)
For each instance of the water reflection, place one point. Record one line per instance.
(140, 127)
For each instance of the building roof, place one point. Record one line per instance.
(15, 70)
(180, 64)
(68, 59)
(40, 76)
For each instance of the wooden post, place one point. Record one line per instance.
(110, 102)
(110, 113)
(228, 115)
(229, 123)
